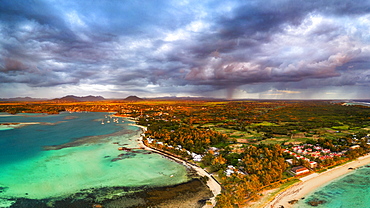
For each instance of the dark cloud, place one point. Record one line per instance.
(13, 65)
(181, 47)
(258, 19)
(256, 23)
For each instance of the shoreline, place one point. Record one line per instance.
(212, 184)
(188, 194)
(192, 193)
(311, 182)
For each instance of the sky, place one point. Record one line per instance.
(255, 49)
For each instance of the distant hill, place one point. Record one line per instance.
(72, 98)
(187, 98)
(133, 98)
(21, 99)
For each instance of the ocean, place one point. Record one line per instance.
(351, 190)
(44, 156)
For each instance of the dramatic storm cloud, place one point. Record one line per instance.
(241, 49)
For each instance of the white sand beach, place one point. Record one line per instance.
(314, 181)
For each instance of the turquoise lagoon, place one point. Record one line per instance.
(351, 190)
(30, 171)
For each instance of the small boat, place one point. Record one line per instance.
(102, 122)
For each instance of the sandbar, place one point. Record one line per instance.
(9, 126)
(311, 182)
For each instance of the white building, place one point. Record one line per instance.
(196, 157)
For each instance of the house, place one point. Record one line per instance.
(299, 170)
(214, 149)
(299, 157)
(313, 164)
(290, 161)
(229, 170)
(326, 151)
(355, 146)
(150, 140)
(196, 157)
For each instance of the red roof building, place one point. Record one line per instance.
(300, 170)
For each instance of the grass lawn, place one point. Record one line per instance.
(344, 127)
(265, 123)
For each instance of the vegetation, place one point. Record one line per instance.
(243, 143)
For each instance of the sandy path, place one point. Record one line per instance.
(313, 181)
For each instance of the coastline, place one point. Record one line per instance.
(212, 184)
(311, 182)
(191, 193)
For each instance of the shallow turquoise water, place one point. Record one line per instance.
(29, 171)
(26, 142)
(349, 191)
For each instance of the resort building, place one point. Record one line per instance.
(299, 170)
